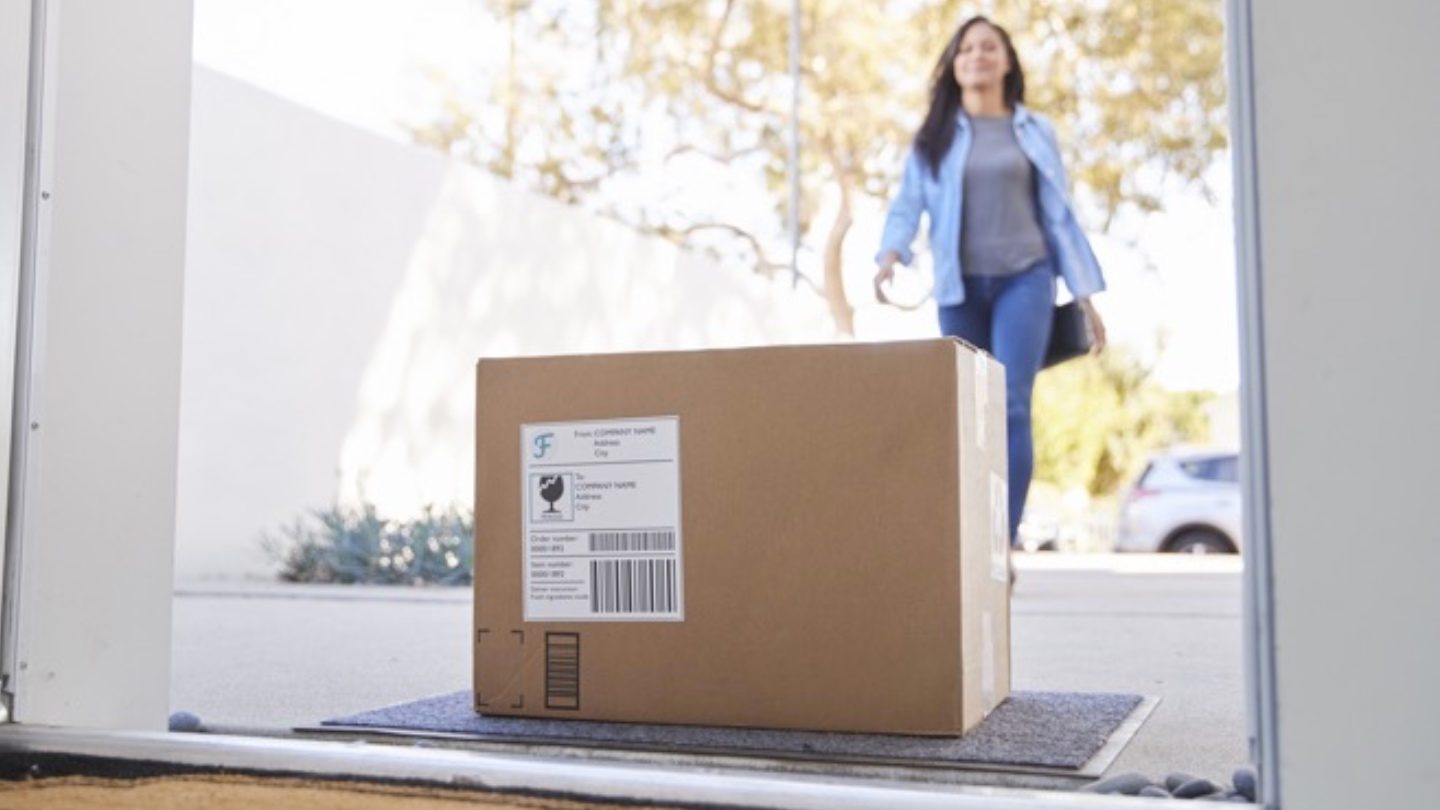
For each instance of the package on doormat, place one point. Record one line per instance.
(805, 537)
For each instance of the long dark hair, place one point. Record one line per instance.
(935, 135)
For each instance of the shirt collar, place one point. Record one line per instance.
(1022, 116)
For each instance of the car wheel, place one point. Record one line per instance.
(1199, 541)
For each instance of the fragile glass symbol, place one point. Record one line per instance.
(551, 488)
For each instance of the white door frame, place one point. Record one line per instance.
(1259, 623)
(666, 784)
(21, 74)
(91, 507)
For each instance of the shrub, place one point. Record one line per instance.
(351, 545)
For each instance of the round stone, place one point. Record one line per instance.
(1127, 784)
(184, 721)
(1195, 788)
(1176, 779)
(1154, 792)
(1244, 780)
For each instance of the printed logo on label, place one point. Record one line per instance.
(552, 497)
(542, 444)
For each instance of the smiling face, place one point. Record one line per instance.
(981, 60)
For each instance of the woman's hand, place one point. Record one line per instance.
(1097, 326)
(884, 275)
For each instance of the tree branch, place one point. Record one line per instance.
(763, 265)
(834, 288)
(719, 157)
(710, 83)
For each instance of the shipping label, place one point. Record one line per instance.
(601, 520)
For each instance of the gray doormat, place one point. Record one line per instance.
(1050, 730)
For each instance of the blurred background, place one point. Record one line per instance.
(382, 192)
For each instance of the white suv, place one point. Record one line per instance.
(1184, 501)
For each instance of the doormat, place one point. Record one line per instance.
(1049, 730)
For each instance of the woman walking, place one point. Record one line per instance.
(987, 171)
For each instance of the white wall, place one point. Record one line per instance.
(339, 288)
(98, 509)
(298, 232)
(1346, 124)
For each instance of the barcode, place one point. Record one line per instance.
(633, 541)
(562, 670)
(632, 586)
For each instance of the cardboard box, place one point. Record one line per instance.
(807, 537)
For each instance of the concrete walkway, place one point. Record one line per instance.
(269, 657)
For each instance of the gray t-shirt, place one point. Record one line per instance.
(1000, 232)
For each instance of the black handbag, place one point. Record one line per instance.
(1069, 334)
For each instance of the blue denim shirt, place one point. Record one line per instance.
(942, 197)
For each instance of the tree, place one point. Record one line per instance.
(598, 99)
(1097, 419)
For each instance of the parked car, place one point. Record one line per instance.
(1185, 501)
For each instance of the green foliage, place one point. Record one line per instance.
(1096, 420)
(349, 545)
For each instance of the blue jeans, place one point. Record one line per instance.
(1009, 317)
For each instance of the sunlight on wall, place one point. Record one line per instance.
(500, 273)
(339, 289)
